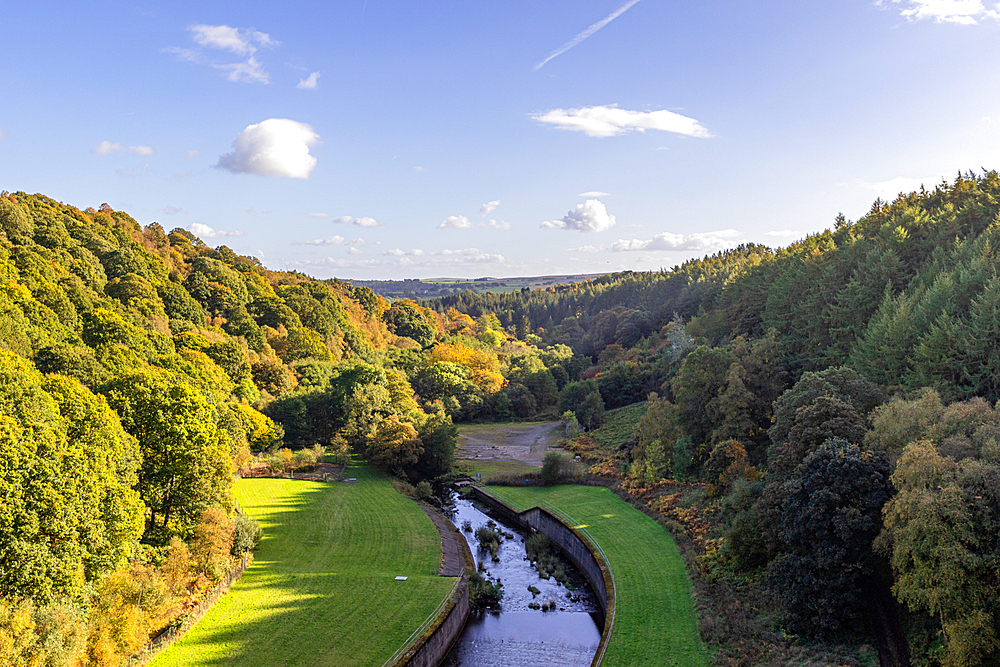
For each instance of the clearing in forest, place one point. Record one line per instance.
(321, 588)
(526, 442)
(655, 621)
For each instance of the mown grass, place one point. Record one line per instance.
(655, 621)
(321, 589)
(493, 468)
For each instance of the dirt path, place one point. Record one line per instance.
(453, 559)
(509, 442)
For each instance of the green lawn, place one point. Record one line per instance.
(655, 622)
(321, 590)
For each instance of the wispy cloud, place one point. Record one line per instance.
(496, 224)
(172, 210)
(272, 147)
(702, 241)
(610, 121)
(594, 193)
(586, 248)
(489, 207)
(3, 133)
(333, 240)
(206, 232)
(363, 221)
(784, 233)
(110, 148)
(590, 216)
(456, 222)
(309, 83)
(587, 33)
(964, 12)
(249, 72)
(239, 41)
(192, 153)
(888, 190)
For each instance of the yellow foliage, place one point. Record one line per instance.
(484, 366)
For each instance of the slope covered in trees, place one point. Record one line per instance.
(835, 400)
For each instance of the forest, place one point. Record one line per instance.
(829, 409)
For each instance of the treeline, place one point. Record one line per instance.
(837, 400)
(141, 369)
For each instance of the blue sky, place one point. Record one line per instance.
(378, 139)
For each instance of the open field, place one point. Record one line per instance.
(655, 622)
(320, 590)
(526, 442)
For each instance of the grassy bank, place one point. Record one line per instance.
(321, 589)
(655, 622)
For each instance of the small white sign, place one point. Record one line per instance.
(401, 578)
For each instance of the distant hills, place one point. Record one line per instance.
(432, 288)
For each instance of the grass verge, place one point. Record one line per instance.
(321, 589)
(655, 621)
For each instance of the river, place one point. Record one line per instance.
(517, 635)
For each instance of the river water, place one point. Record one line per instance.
(516, 635)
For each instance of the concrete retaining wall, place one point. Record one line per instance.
(435, 643)
(431, 648)
(574, 544)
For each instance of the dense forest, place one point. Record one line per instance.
(830, 406)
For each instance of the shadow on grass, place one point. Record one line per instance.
(321, 590)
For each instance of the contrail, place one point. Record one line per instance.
(587, 33)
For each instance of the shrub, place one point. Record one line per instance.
(556, 468)
(246, 535)
(423, 491)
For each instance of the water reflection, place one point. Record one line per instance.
(517, 635)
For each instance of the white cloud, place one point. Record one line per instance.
(473, 255)
(363, 221)
(784, 233)
(594, 193)
(309, 83)
(109, 148)
(702, 241)
(354, 251)
(965, 12)
(416, 252)
(419, 169)
(590, 216)
(587, 33)
(3, 133)
(496, 224)
(489, 207)
(172, 210)
(273, 147)
(193, 153)
(888, 190)
(249, 72)
(610, 121)
(456, 222)
(186, 55)
(206, 232)
(586, 248)
(359, 241)
(238, 40)
(333, 240)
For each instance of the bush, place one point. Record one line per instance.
(246, 535)
(212, 542)
(556, 468)
(423, 491)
